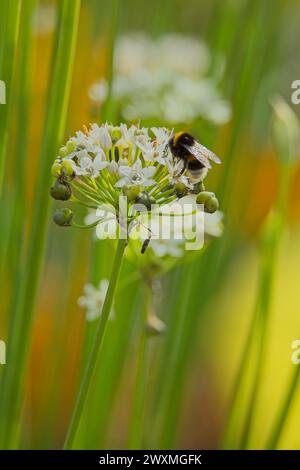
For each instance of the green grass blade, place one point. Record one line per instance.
(21, 324)
(9, 31)
(283, 413)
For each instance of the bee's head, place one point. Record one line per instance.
(182, 138)
(185, 139)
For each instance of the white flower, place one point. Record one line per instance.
(88, 166)
(113, 167)
(213, 224)
(100, 136)
(176, 175)
(98, 91)
(93, 300)
(147, 148)
(44, 18)
(80, 139)
(136, 175)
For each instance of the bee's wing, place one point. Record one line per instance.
(202, 154)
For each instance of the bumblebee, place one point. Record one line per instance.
(194, 155)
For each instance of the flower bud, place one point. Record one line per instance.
(180, 189)
(56, 169)
(131, 192)
(145, 199)
(67, 149)
(61, 191)
(63, 151)
(70, 146)
(67, 168)
(211, 203)
(116, 133)
(122, 145)
(63, 217)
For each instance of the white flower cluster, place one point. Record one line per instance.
(130, 154)
(129, 179)
(164, 78)
(104, 162)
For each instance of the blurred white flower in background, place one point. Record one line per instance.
(93, 299)
(164, 78)
(44, 19)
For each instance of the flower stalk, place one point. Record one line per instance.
(138, 402)
(96, 348)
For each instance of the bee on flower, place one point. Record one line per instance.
(124, 174)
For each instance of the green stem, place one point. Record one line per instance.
(96, 348)
(11, 16)
(167, 396)
(136, 422)
(9, 28)
(264, 319)
(226, 441)
(269, 250)
(14, 247)
(284, 410)
(22, 319)
(107, 112)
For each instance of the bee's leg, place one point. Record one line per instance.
(184, 167)
(166, 150)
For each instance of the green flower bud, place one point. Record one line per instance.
(63, 217)
(56, 169)
(145, 199)
(61, 191)
(67, 168)
(131, 192)
(67, 149)
(211, 203)
(70, 146)
(180, 189)
(63, 151)
(203, 197)
(116, 134)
